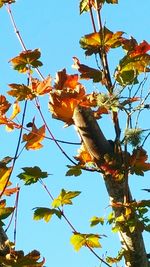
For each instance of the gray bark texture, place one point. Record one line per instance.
(97, 146)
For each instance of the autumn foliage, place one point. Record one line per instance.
(66, 92)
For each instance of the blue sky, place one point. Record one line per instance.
(56, 27)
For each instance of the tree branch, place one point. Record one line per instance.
(97, 145)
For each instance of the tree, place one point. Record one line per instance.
(120, 91)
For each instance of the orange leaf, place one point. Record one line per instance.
(138, 162)
(41, 88)
(4, 105)
(63, 108)
(83, 156)
(63, 80)
(10, 125)
(140, 49)
(87, 72)
(9, 192)
(34, 138)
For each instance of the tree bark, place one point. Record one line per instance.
(97, 146)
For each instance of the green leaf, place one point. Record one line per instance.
(31, 175)
(45, 214)
(130, 67)
(96, 220)
(74, 170)
(79, 240)
(64, 198)
(5, 212)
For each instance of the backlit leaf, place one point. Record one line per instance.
(74, 170)
(4, 176)
(138, 162)
(5, 212)
(135, 62)
(4, 105)
(18, 259)
(16, 110)
(83, 155)
(2, 2)
(41, 87)
(105, 39)
(32, 175)
(65, 198)
(45, 213)
(96, 220)
(34, 138)
(21, 92)
(87, 72)
(26, 60)
(79, 240)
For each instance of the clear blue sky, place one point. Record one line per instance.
(56, 27)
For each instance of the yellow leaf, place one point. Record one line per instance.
(4, 176)
(16, 110)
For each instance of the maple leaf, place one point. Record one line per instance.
(4, 176)
(83, 155)
(41, 87)
(87, 72)
(79, 240)
(63, 80)
(140, 49)
(105, 39)
(62, 108)
(16, 110)
(138, 164)
(21, 92)
(18, 259)
(64, 198)
(9, 124)
(26, 60)
(45, 213)
(32, 175)
(135, 62)
(34, 138)
(4, 105)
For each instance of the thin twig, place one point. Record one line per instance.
(71, 225)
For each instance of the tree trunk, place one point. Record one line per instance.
(97, 146)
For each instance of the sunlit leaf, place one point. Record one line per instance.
(34, 138)
(83, 155)
(5, 212)
(21, 92)
(65, 198)
(32, 175)
(41, 87)
(87, 72)
(96, 220)
(64, 80)
(105, 39)
(138, 162)
(26, 60)
(79, 240)
(18, 259)
(135, 62)
(10, 191)
(4, 105)
(2, 2)
(16, 110)
(45, 213)
(4, 176)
